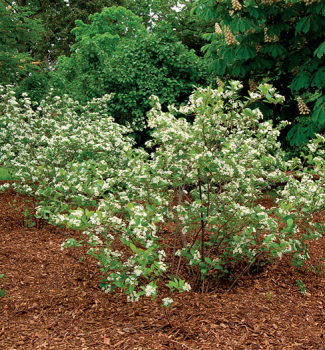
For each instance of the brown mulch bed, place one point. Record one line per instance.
(54, 302)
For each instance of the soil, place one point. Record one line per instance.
(53, 300)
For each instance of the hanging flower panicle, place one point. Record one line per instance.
(302, 43)
(220, 82)
(295, 70)
(310, 2)
(217, 28)
(258, 47)
(252, 85)
(268, 2)
(267, 38)
(236, 5)
(230, 39)
(303, 109)
(270, 39)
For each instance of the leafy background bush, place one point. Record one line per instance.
(130, 62)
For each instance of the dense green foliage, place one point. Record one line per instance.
(188, 27)
(58, 20)
(279, 41)
(5, 174)
(115, 53)
(283, 41)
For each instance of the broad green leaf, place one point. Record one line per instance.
(245, 52)
(129, 206)
(290, 222)
(133, 247)
(318, 79)
(320, 51)
(301, 81)
(318, 115)
(303, 25)
(297, 135)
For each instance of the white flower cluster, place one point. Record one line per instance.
(57, 147)
(167, 302)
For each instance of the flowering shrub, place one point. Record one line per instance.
(206, 177)
(60, 150)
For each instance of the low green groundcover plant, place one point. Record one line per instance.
(205, 177)
(5, 174)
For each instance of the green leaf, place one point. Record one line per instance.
(290, 222)
(320, 51)
(318, 115)
(320, 7)
(303, 25)
(133, 247)
(318, 79)
(298, 135)
(302, 80)
(129, 206)
(274, 50)
(245, 52)
(119, 284)
(147, 253)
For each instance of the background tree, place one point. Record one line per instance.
(116, 54)
(58, 19)
(188, 27)
(282, 41)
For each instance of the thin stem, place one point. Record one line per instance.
(167, 316)
(175, 238)
(202, 223)
(178, 266)
(243, 272)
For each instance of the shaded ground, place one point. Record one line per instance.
(54, 301)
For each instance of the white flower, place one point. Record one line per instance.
(312, 147)
(134, 297)
(162, 266)
(137, 270)
(187, 287)
(178, 252)
(150, 290)
(167, 301)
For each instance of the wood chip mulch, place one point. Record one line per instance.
(53, 301)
